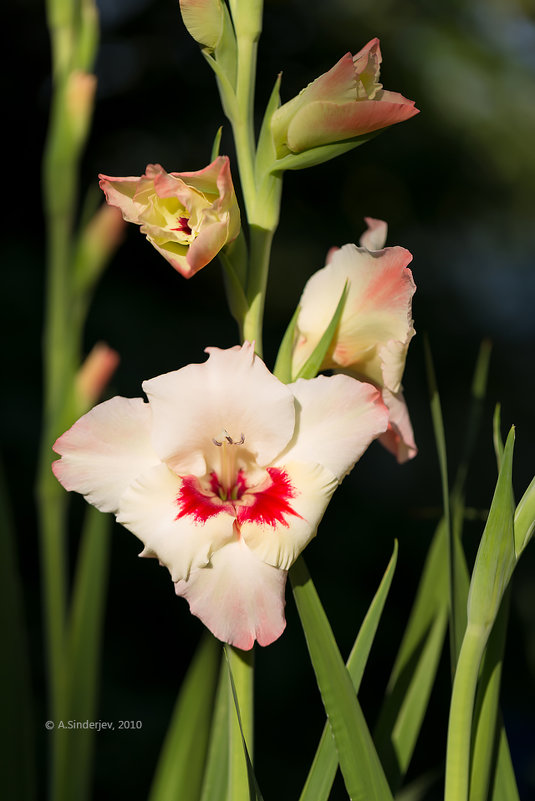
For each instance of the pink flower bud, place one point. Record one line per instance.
(346, 102)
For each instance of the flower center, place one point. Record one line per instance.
(228, 481)
(238, 487)
(183, 226)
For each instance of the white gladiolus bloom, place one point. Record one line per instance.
(224, 475)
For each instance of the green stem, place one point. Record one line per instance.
(241, 665)
(461, 713)
(260, 251)
(242, 122)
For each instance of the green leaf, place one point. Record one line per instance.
(363, 775)
(486, 708)
(312, 366)
(283, 363)
(233, 287)
(495, 558)
(265, 152)
(318, 155)
(82, 665)
(406, 698)
(17, 772)
(323, 770)
(456, 595)
(504, 785)
(217, 144)
(525, 519)
(214, 787)
(239, 789)
(498, 442)
(179, 774)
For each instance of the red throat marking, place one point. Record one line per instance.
(268, 506)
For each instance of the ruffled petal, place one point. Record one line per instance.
(280, 540)
(399, 437)
(150, 509)
(232, 392)
(377, 308)
(237, 596)
(374, 237)
(337, 418)
(105, 451)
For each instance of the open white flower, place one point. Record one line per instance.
(224, 476)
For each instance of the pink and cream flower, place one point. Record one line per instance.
(376, 326)
(187, 216)
(224, 475)
(343, 103)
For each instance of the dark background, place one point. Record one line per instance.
(456, 185)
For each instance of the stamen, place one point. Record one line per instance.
(226, 436)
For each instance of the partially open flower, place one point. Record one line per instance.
(376, 327)
(187, 216)
(224, 475)
(346, 102)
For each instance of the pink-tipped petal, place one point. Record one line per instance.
(237, 596)
(337, 419)
(399, 436)
(374, 237)
(377, 309)
(323, 122)
(105, 451)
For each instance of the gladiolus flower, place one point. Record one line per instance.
(346, 102)
(224, 475)
(187, 216)
(376, 326)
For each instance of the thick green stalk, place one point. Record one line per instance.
(241, 715)
(260, 252)
(242, 121)
(461, 713)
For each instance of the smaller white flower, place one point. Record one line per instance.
(224, 475)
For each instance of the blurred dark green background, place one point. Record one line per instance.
(456, 185)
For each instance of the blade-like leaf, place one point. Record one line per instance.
(363, 775)
(312, 366)
(283, 363)
(486, 708)
(179, 773)
(241, 786)
(318, 155)
(504, 784)
(215, 781)
(265, 152)
(525, 519)
(323, 770)
(84, 646)
(217, 144)
(495, 558)
(421, 643)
